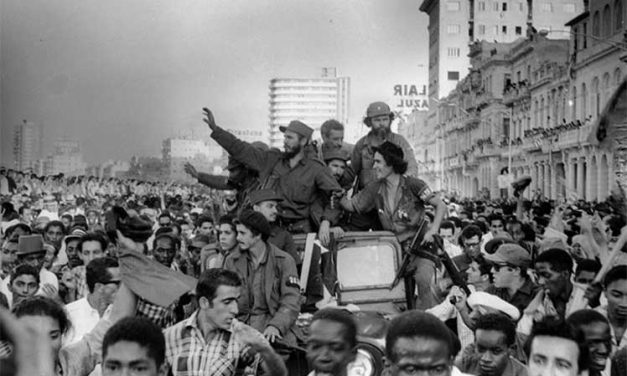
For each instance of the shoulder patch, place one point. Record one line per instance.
(292, 281)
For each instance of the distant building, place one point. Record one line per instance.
(28, 143)
(177, 151)
(109, 169)
(454, 24)
(310, 100)
(66, 159)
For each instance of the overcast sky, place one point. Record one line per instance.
(122, 75)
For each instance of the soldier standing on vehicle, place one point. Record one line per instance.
(400, 201)
(379, 119)
(299, 180)
(270, 299)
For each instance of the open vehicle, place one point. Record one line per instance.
(358, 270)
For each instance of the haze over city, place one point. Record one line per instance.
(120, 76)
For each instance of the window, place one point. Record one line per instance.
(452, 6)
(546, 7)
(453, 76)
(596, 28)
(481, 29)
(453, 52)
(596, 96)
(495, 30)
(607, 21)
(584, 36)
(617, 76)
(518, 30)
(584, 101)
(573, 103)
(481, 6)
(618, 15)
(504, 29)
(504, 7)
(518, 76)
(521, 7)
(495, 6)
(575, 39)
(452, 29)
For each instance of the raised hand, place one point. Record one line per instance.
(190, 170)
(211, 122)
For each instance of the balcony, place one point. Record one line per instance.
(472, 121)
(483, 99)
(515, 93)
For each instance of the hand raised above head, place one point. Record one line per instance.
(209, 119)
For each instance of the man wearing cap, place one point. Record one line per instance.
(299, 180)
(265, 201)
(270, 298)
(511, 281)
(379, 118)
(32, 251)
(332, 132)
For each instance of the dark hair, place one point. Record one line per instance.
(497, 322)
(342, 317)
(417, 324)
(559, 260)
(551, 327)
(22, 270)
(139, 330)
(66, 215)
(164, 214)
(588, 265)
(447, 225)
(8, 208)
(227, 220)
(202, 219)
(176, 242)
(43, 306)
(92, 237)
(10, 230)
(584, 317)
(393, 156)
(211, 279)
(22, 208)
(470, 231)
(456, 221)
(96, 271)
(495, 217)
(55, 224)
(618, 272)
(331, 125)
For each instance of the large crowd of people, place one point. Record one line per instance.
(121, 276)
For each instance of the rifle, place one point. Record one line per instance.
(450, 266)
(408, 257)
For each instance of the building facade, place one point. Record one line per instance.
(28, 142)
(544, 100)
(310, 100)
(66, 159)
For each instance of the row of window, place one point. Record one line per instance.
(608, 25)
(481, 29)
(504, 6)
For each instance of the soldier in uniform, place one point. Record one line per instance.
(270, 299)
(299, 180)
(379, 119)
(400, 201)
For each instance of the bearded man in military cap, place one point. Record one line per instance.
(299, 180)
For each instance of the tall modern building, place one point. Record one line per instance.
(455, 24)
(27, 145)
(310, 100)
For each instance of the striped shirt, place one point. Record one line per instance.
(189, 354)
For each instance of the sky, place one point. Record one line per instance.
(120, 76)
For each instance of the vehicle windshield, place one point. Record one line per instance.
(366, 266)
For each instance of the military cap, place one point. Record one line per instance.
(298, 127)
(262, 195)
(377, 109)
(338, 153)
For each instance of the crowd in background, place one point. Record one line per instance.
(209, 272)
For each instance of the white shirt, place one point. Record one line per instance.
(46, 276)
(83, 318)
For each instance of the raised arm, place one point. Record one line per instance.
(241, 151)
